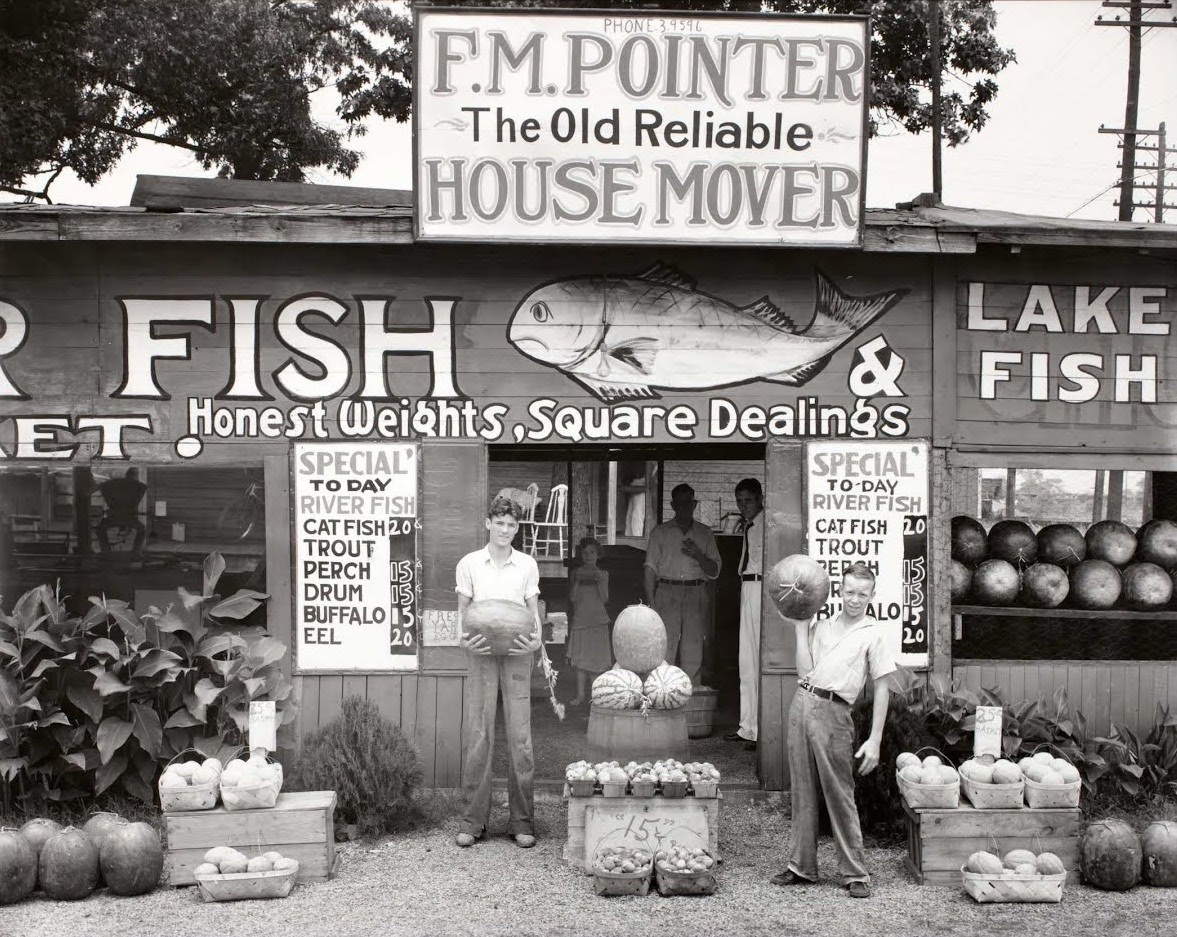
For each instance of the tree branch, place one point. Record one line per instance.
(115, 128)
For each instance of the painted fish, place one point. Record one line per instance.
(623, 336)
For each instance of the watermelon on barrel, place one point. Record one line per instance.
(1062, 545)
(617, 689)
(995, 582)
(1014, 542)
(1044, 585)
(499, 621)
(1146, 587)
(667, 687)
(18, 867)
(968, 540)
(1156, 542)
(1095, 584)
(1158, 844)
(1112, 541)
(639, 639)
(1109, 855)
(962, 579)
(798, 585)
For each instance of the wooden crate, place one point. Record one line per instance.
(940, 841)
(300, 826)
(639, 821)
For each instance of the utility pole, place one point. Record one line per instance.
(1158, 187)
(1135, 9)
(934, 54)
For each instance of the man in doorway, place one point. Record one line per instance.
(498, 571)
(750, 501)
(681, 558)
(835, 658)
(122, 497)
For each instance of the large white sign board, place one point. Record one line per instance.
(653, 128)
(355, 555)
(868, 501)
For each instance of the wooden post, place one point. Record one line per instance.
(1115, 494)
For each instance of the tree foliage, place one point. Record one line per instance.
(81, 81)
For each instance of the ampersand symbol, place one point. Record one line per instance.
(875, 370)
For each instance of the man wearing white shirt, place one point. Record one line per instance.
(750, 501)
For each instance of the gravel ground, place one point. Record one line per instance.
(422, 884)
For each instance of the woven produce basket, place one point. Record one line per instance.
(1008, 887)
(674, 788)
(992, 796)
(254, 796)
(240, 886)
(705, 788)
(643, 788)
(930, 796)
(679, 882)
(192, 797)
(620, 883)
(1042, 795)
(614, 788)
(582, 787)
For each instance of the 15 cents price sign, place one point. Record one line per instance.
(868, 502)
(356, 568)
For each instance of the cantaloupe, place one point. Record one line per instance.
(1049, 864)
(984, 863)
(1016, 857)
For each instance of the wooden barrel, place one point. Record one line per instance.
(624, 735)
(700, 710)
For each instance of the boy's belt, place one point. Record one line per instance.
(683, 582)
(750, 577)
(822, 693)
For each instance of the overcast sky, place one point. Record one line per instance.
(1041, 153)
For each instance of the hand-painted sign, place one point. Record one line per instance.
(869, 502)
(355, 543)
(580, 126)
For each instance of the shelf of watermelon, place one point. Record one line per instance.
(1010, 611)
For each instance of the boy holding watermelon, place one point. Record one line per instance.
(498, 571)
(835, 657)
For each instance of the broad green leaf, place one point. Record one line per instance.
(109, 772)
(53, 719)
(44, 638)
(265, 651)
(146, 728)
(170, 622)
(86, 698)
(239, 605)
(153, 662)
(108, 684)
(112, 734)
(182, 719)
(9, 695)
(44, 665)
(214, 565)
(225, 667)
(75, 758)
(253, 685)
(106, 648)
(9, 650)
(145, 766)
(188, 600)
(216, 644)
(126, 617)
(11, 767)
(206, 692)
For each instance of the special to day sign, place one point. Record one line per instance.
(868, 502)
(356, 568)
(650, 128)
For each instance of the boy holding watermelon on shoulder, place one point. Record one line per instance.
(498, 571)
(835, 657)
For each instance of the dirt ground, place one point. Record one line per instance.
(420, 884)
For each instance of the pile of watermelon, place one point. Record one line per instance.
(639, 646)
(1109, 566)
(67, 864)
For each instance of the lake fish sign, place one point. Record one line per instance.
(623, 336)
(647, 128)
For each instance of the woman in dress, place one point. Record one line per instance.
(589, 645)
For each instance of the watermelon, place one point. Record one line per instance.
(1158, 844)
(1044, 585)
(1156, 542)
(499, 621)
(1014, 542)
(131, 859)
(1095, 584)
(962, 579)
(38, 831)
(68, 867)
(968, 540)
(1112, 541)
(799, 586)
(1110, 855)
(1062, 545)
(617, 689)
(995, 582)
(667, 687)
(1146, 587)
(18, 867)
(639, 639)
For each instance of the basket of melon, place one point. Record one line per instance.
(929, 783)
(189, 782)
(992, 784)
(1019, 876)
(252, 784)
(229, 875)
(622, 870)
(1050, 781)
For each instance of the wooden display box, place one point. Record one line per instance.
(300, 826)
(940, 841)
(647, 822)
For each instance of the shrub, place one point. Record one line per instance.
(373, 767)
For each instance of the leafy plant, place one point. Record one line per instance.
(366, 758)
(1142, 768)
(96, 702)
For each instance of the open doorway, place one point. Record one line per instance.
(616, 496)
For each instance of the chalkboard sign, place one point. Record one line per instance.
(357, 583)
(867, 501)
